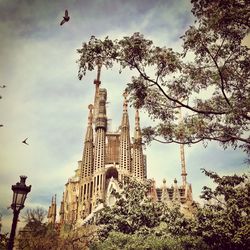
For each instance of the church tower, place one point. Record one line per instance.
(100, 145)
(86, 183)
(138, 167)
(52, 211)
(125, 146)
(108, 156)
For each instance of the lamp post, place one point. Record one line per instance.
(20, 191)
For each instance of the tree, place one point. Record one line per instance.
(77, 239)
(36, 234)
(135, 212)
(136, 222)
(39, 235)
(118, 240)
(34, 215)
(209, 79)
(223, 223)
(3, 237)
(4, 240)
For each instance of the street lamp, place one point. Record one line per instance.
(20, 191)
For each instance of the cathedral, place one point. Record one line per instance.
(109, 156)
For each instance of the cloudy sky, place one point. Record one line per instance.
(45, 101)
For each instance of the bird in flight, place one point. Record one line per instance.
(25, 141)
(65, 18)
(3, 86)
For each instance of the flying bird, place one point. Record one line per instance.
(25, 141)
(65, 18)
(4, 86)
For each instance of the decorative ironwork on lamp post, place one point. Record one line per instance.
(20, 191)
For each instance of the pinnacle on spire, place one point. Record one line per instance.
(137, 118)
(176, 193)
(164, 194)
(90, 118)
(125, 103)
(97, 83)
(97, 80)
(125, 119)
(137, 134)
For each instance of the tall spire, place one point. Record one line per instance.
(125, 147)
(87, 158)
(61, 212)
(97, 83)
(138, 167)
(52, 211)
(137, 125)
(90, 117)
(125, 102)
(182, 153)
(100, 127)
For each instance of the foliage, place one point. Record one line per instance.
(117, 241)
(39, 235)
(37, 214)
(36, 234)
(77, 239)
(135, 213)
(136, 222)
(209, 79)
(3, 241)
(232, 17)
(224, 222)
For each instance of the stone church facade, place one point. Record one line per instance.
(109, 156)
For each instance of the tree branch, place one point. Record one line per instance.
(220, 74)
(218, 138)
(175, 100)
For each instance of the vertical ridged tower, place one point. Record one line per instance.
(86, 184)
(125, 145)
(138, 168)
(100, 149)
(52, 211)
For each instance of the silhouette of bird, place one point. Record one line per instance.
(25, 141)
(65, 18)
(4, 86)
